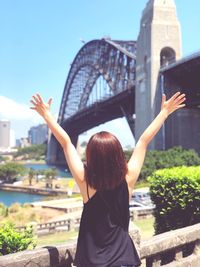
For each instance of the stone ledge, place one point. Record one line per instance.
(170, 240)
(60, 256)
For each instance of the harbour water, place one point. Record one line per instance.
(7, 197)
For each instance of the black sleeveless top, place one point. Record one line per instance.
(103, 236)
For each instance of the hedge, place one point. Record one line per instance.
(176, 194)
(12, 240)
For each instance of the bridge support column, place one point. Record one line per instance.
(159, 43)
(130, 119)
(55, 154)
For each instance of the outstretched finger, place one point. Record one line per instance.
(180, 99)
(174, 96)
(181, 106)
(50, 101)
(33, 108)
(35, 99)
(40, 98)
(33, 102)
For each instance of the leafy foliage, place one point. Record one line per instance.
(50, 174)
(9, 171)
(172, 157)
(12, 240)
(32, 152)
(2, 158)
(176, 194)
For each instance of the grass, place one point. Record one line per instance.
(56, 238)
(141, 184)
(21, 215)
(146, 227)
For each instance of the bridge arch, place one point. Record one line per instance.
(112, 61)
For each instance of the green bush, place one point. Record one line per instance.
(12, 240)
(176, 194)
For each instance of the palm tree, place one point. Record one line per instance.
(31, 175)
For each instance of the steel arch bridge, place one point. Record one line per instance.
(100, 87)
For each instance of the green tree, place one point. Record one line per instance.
(50, 175)
(176, 156)
(33, 152)
(31, 175)
(10, 171)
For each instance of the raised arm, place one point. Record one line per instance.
(74, 162)
(137, 159)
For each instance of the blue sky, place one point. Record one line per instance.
(39, 40)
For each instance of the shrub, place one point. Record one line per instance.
(176, 194)
(3, 209)
(11, 240)
(15, 207)
(26, 205)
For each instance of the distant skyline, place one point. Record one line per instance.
(39, 40)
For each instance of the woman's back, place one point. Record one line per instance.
(103, 237)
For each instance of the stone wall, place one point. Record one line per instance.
(152, 252)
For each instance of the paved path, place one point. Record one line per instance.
(68, 204)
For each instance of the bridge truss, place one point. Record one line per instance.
(99, 88)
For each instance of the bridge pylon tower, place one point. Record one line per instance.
(158, 44)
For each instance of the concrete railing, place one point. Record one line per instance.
(55, 226)
(73, 224)
(178, 248)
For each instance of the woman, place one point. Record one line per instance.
(106, 184)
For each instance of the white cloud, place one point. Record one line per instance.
(12, 110)
(20, 115)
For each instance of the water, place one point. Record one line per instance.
(7, 198)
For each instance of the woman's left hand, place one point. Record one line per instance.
(174, 103)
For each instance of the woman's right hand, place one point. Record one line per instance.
(40, 106)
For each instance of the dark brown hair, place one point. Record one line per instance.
(106, 165)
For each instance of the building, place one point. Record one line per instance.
(4, 134)
(38, 134)
(12, 138)
(22, 142)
